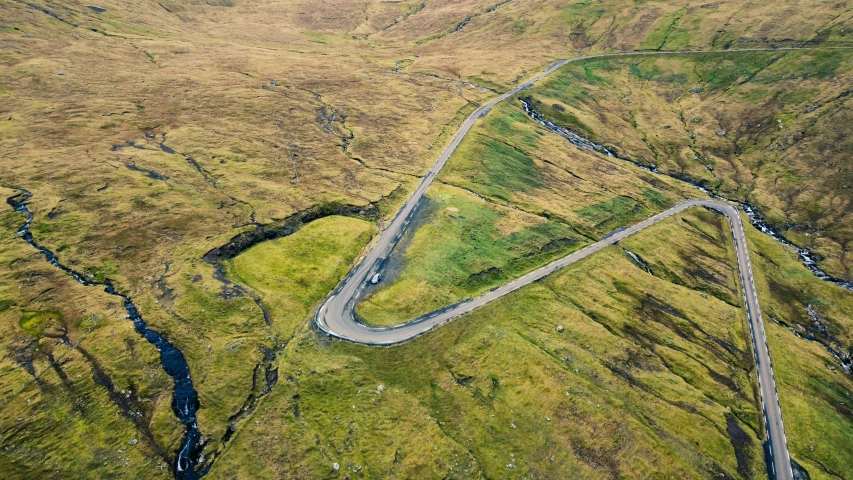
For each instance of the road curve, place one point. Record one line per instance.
(336, 316)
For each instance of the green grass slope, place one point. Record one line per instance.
(649, 377)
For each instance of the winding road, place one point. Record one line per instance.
(336, 317)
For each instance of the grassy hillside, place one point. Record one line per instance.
(511, 198)
(766, 128)
(657, 351)
(648, 377)
(83, 394)
(625, 104)
(522, 33)
(804, 315)
(151, 133)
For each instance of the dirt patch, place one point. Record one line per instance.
(624, 374)
(724, 380)
(642, 338)
(489, 276)
(663, 313)
(558, 244)
(742, 444)
(653, 303)
(705, 276)
(741, 355)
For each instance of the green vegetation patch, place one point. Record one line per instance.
(657, 198)
(714, 70)
(512, 125)
(658, 37)
(821, 65)
(517, 27)
(35, 321)
(91, 322)
(239, 335)
(645, 70)
(504, 169)
(107, 269)
(316, 37)
(617, 211)
(296, 261)
(568, 84)
(720, 72)
(6, 304)
(557, 112)
(464, 247)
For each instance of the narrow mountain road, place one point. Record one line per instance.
(336, 317)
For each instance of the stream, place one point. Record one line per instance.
(636, 258)
(806, 256)
(185, 402)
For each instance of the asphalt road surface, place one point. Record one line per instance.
(336, 317)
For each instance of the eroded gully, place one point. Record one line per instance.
(185, 402)
(829, 343)
(757, 220)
